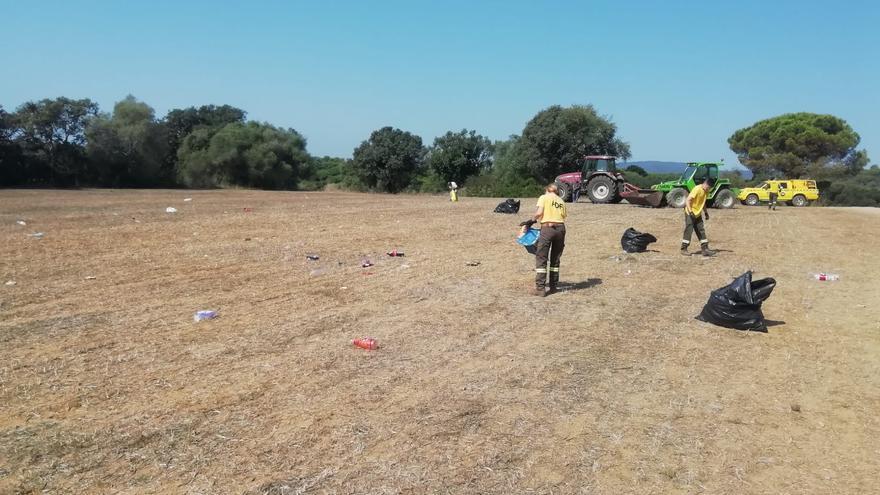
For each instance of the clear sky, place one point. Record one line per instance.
(677, 77)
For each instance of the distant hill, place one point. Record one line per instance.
(656, 167)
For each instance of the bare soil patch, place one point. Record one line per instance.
(108, 386)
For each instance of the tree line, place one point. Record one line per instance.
(71, 143)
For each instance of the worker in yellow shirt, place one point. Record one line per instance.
(694, 210)
(550, 212)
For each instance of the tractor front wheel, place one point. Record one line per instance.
(752, 199)
(723, 199)
(564, 190)
(601, 190)
(677, 197)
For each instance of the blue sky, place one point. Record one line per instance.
(677, 77)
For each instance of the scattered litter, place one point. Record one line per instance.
(247, 238)
(826, 277)
(472, 263)
(343, 288)
(738, 305)
(619, 258)
(367, 273)
(91, 277)
(509, 206)
(796, 408)
(187, 199)
(312, 257)
(171, 209)
(10, 283)
(395, 253)
(37, 235)
(21, 222)
(634, 241)
(367, 343)
(366, 263)
(404, 266)
(205, 314)
(317, 272)
(248, 209)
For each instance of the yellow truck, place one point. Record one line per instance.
(797, 192)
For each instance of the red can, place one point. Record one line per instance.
(367, 343)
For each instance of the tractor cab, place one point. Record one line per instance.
(591, 164)
(696, 173)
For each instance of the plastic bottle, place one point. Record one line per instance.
(367, 343)
(829, 277)
(205, 314)
(395, 252)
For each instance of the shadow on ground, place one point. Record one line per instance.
(586, 284)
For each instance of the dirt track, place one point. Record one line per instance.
(107, 384)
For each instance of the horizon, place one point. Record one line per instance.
(335, 74)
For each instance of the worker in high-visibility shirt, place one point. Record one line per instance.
(551, 213)
(453, 192)
(694, 211)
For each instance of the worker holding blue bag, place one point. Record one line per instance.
(550, 212)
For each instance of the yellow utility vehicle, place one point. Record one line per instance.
(797, 192)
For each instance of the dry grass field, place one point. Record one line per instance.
(107, 385)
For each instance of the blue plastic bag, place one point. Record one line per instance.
(529, 240)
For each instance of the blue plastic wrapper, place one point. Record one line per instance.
(204, 314)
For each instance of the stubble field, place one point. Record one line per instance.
(107, 385)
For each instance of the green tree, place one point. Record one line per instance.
(179, 123)
(51, 134)
(798, 144)
(555, 139)
(636, 170)
(12, 170)
(324, 171)
(456, 156)
(389, 159)
(248, 154)
(508, 176)
(127, 148)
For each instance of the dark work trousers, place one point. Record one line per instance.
(772, 203)
(551, 243)
(692, 223)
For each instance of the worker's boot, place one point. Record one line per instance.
(706, 251)
(554, 281)
(538, 291)
(684, 249)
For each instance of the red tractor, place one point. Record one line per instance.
(602, 183)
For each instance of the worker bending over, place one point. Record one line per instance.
(694, 210)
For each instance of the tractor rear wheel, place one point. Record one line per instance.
(601, 190)
(677, 197)
(723, 199)
(564, 190)
(752, 199)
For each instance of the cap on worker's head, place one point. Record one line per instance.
(552, 188)
(710, 181)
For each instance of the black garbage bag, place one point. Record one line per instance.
(508, 206)
(634, 241)
(738, 305)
